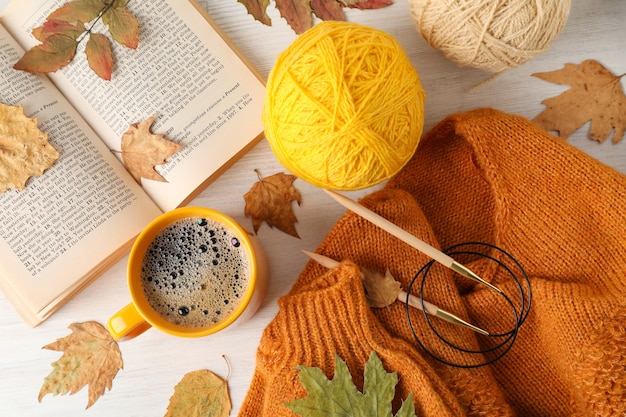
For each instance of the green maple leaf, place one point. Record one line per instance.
(340, 396)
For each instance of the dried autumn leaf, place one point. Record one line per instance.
(90, 357)
(328, 10)
(24, 149)
(341, 397)
(123, 26)
(200, 394)
(79, 11)
(297, 13)
(55, 52)
(142, 151)
(65, 27)
(57, 27)
(258, 10)
(596, 95)
(381, 290)
(371, 4)
(100, 55)
(270, 199)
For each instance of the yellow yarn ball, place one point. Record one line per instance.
(489, 34)
(344, 107)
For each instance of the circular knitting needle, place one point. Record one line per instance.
(408, 238)
(412, 300)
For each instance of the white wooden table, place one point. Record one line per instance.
(154, 362)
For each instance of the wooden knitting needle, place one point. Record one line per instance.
(412, 300)
(408, 238)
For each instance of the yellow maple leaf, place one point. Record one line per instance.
(24, 149)
(200, 394)
(142, 150)
(90, 357)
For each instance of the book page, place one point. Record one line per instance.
(204, 95)
(64, 225)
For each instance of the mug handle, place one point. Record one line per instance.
(127, 323)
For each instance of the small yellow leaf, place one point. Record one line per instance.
(90, 357)
(200, 394)
(142, 150)
(24, 149)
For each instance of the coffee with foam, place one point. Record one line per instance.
(195, 272)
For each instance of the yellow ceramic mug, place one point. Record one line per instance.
(207, 244)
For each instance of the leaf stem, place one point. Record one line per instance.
(228, 365)
(95, 21)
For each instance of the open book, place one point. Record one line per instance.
(73, 222)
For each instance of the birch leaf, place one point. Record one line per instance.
(55, 52)
(24, 149)
(340, 396)
(100, 55)
(200, 394)
(79, 11)
(123, 26)
(58, 27)
(90, 357)
(142, 151)
(269, 200)
(595, 95)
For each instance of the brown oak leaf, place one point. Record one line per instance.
(90, 357)
(270, 199)
(24, 149)
(142, 150)
(596, 95)
(200, 394)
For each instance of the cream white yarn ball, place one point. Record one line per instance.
(493, 35)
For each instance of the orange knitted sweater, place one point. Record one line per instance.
(478, 176)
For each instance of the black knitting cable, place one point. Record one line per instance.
(510, 339)
(519, 316)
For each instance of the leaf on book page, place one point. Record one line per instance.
(142, 150)
(269, 200)
(68, 25)
(371, 4)
(99, 55)
(200, 394)
(79, 11)
(381, 290)
(90, 357)
(24, 149)
(340, 395)
(123, 26)
(56, 51)
(596, 95)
